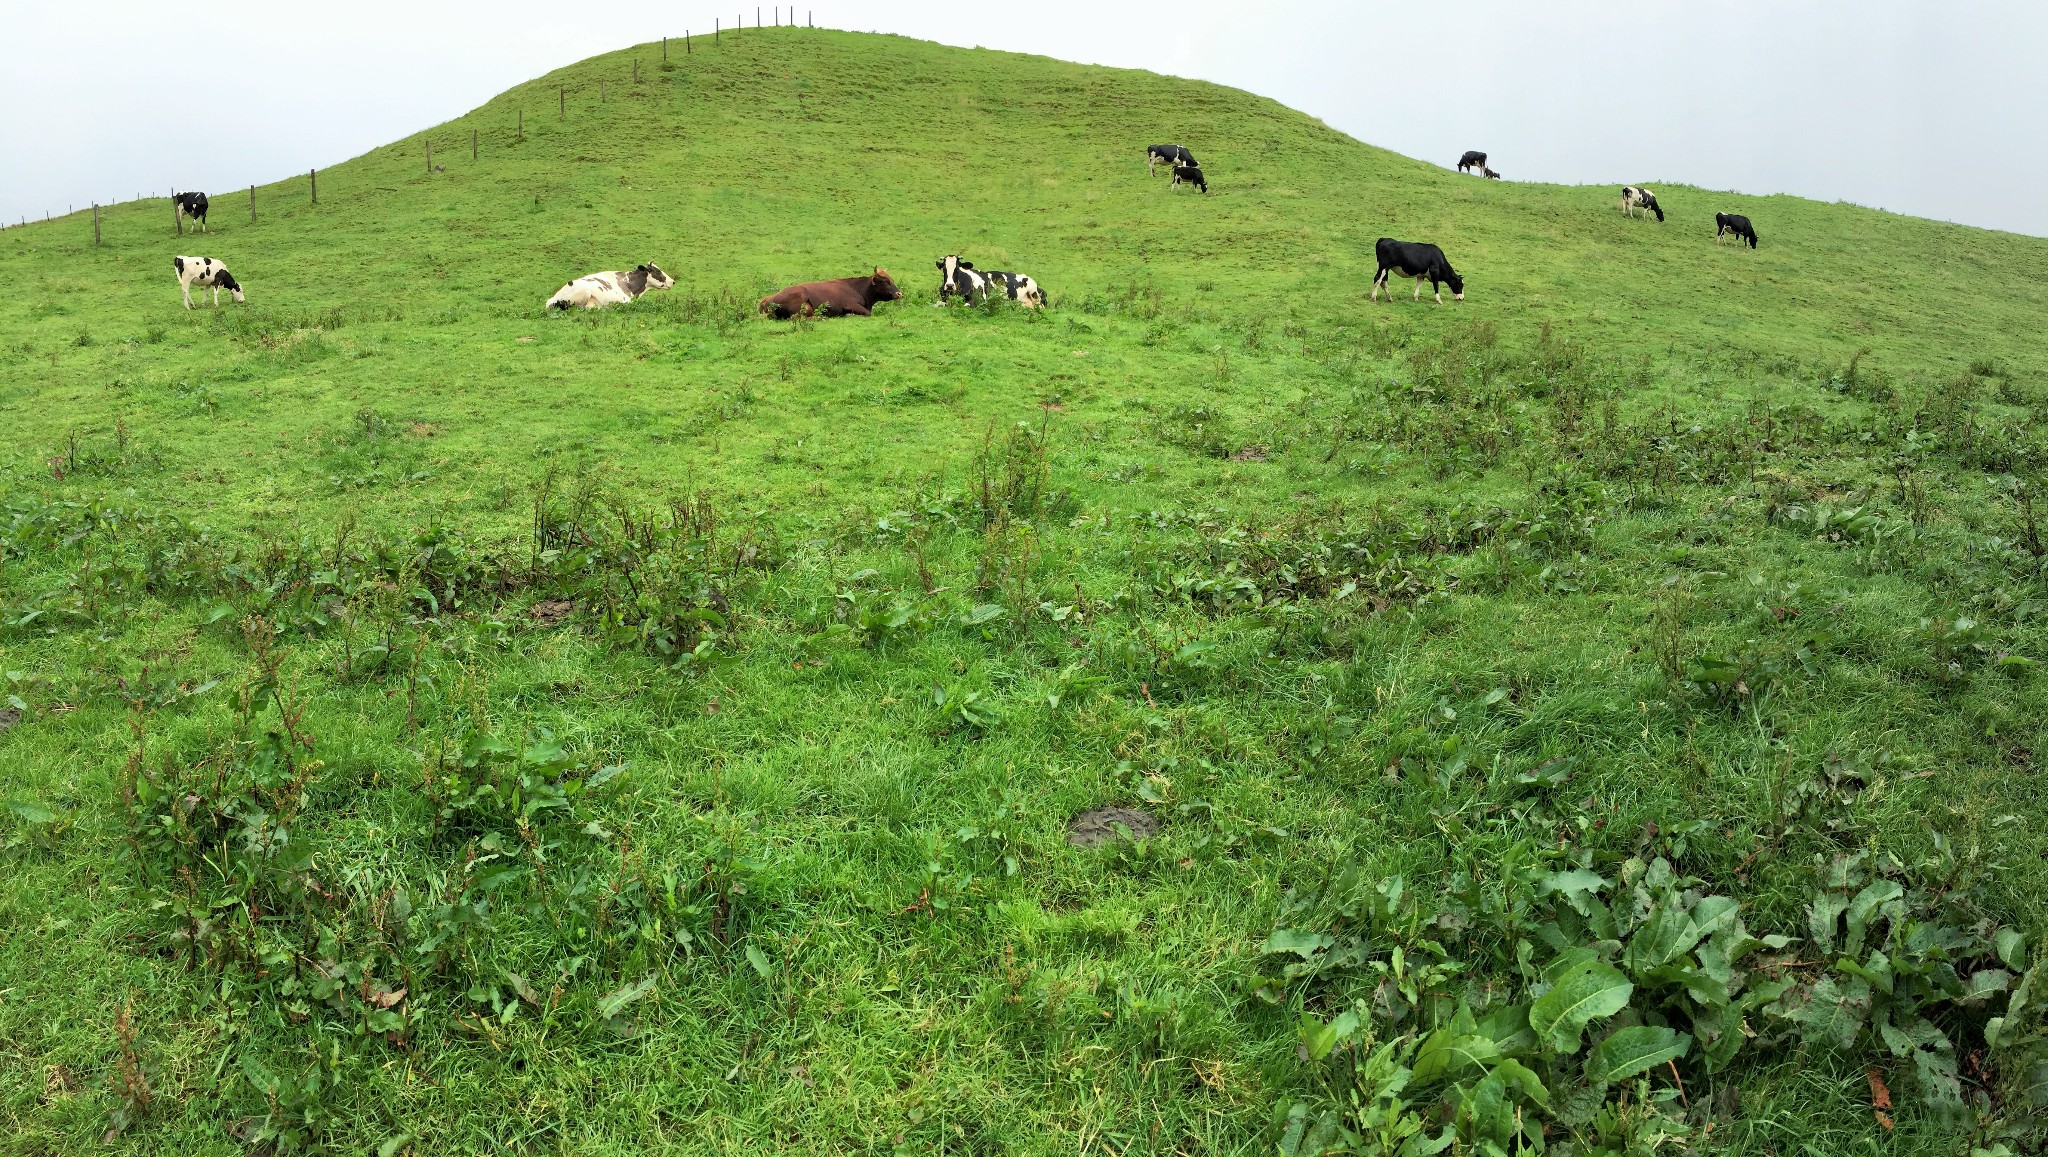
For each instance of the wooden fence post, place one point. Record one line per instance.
(636, 71)
(714, 32)
(313, 182)
(562, 99)
(252, 204)
(96, 223)
(177, 214)
(472, 144)
(664, 50)
(430, 158)
(686, 42)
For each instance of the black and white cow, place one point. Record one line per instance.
(1473, 159)
(609, 288)
(1734, 225)
(206, 273)
(1489, 174)
(1170, 155)
(957, 278)
(1633, 198)
(1418, 260)
(191, 205)
(1019, 287)
(1192, 176)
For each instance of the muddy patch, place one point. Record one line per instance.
(1251, 454)
(1093, 829)
(9, 716)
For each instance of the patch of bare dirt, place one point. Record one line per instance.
(1093, 829)
(548, 612)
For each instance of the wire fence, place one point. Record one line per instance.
(778, 16)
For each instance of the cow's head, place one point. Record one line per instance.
(1456, 283)
(226, 280)
(656, 279)
(882, 287)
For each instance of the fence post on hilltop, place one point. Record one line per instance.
(95, 224)
(714, 33)
(562, 101)
(636, 71)
(472, 144)
(252, 204)
(430, 158)
(686, 42)
(664, 50)
(177, 217)
(313, 183)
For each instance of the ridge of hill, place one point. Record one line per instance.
(1603, 710)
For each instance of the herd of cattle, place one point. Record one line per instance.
(958, 278)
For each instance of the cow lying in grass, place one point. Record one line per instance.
(1633, 199)
(191, 205)
(857, 296)
(206, 273)
(958, 278)
(610, 288)
(1734, 225)
(1419, 261)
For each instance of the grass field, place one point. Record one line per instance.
(1601, 714)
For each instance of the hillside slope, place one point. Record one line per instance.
(439, 725)
(793, 154)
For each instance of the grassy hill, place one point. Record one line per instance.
(447, 724)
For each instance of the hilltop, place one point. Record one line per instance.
(444, 723)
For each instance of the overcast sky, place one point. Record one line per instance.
(1923, 107)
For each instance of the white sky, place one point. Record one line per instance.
(1930, 107)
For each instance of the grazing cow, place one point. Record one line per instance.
(1419, 261)
(1473, 159)
(206, 273)
(1169, 155)
(1020, 288)
(1734, 225)
(191, 205)
(1489, 174)
(848, 295)
(957, 278)
(612, 287)
(1633, 198)
(1192, 176)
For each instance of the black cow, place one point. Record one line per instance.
(1417, 260)
(190, 205)
(1633, 198)
(1736, 225)
(957, 278)
(1172, 155)
(1192, 176)
(1473, 159)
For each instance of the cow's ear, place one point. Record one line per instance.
(967, 265)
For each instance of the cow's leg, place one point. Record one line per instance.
(1439, 291)
(1376, 279)
(1418, 289)
(185, 287)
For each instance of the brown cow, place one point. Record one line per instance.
(848, 295)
